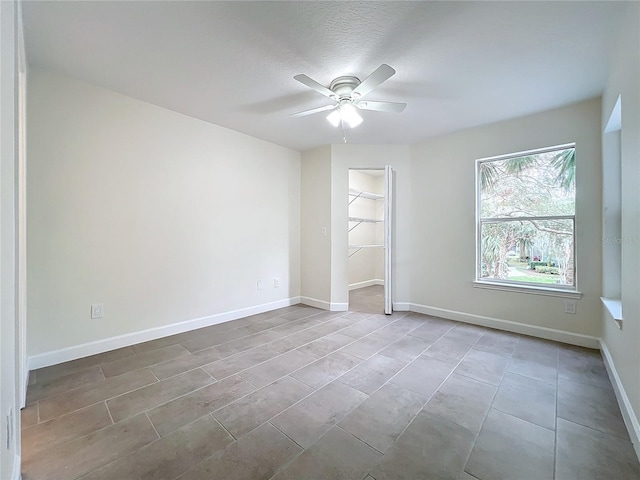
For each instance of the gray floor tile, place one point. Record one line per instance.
(448, 351)
(537, 350)
(532, 369)
(484, 366)
(185, 363)
(229, 366)
(465, 333)
(69, 433)
(430, 448)
(462, 400)
(583, 365)
(591, 406)
(204, 341)
(326, 369)
(146, 359)
(511, 448)
(395, 331)
(258, 407)
(47, 374)
(383, 416)
(407, 348)
(169, 456)
(423, 376)
(306, 421)
(98, 392)
(29, 416)
(63, 429)
(587, 454)
(500, 343)
(364, 327)
(256, 456)
(367, 346)
(433, 329)
(277, 367)
(324, 346)
(156, 394)
(240, 345)
(59, 385)
(337, 456)
(161, 342)
(528, 399)
(85, 454)
(297, 325)
(371, 374)
(176, 413)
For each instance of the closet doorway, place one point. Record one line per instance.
(370, 202)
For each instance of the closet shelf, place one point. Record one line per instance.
(366, 220)
(361, 193)
(357, 248)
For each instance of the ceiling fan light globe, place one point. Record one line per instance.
(350, 115)
(334, 118)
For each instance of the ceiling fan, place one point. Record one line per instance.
(347, 95)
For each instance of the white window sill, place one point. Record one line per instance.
(528, 289)
(614, 307)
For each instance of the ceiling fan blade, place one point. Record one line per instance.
(382, 73)
(314, 110)
(381, 106)
(311, 83)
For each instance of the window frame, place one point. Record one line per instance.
(567, 291)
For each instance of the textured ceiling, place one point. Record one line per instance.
(459, 64)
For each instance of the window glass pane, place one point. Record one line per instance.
(528, 251)
(529, 186)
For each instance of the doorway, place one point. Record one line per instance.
(369, 217)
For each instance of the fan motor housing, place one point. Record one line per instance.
(343, 87)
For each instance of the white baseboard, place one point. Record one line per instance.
(332, 307)
(367, 283)
(401, 306)
(99, 346)
(509, 326)
(339, 307)
(314, 302)
(629, 416)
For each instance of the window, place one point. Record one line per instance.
(526, 219)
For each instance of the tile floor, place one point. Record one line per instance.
(300, 393)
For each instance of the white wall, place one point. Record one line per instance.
(344, 157)
(443, 254)
(366, 264)
(9, 376)
(162, 217)
(622, 347)
(316, 227)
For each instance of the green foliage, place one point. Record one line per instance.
(535, 265)
(545, 269)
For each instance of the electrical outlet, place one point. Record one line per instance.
(259, 285)
(570, 307)
(323, 231)
(276, 282)
(97, 310)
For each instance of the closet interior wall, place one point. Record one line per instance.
(366, 264)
